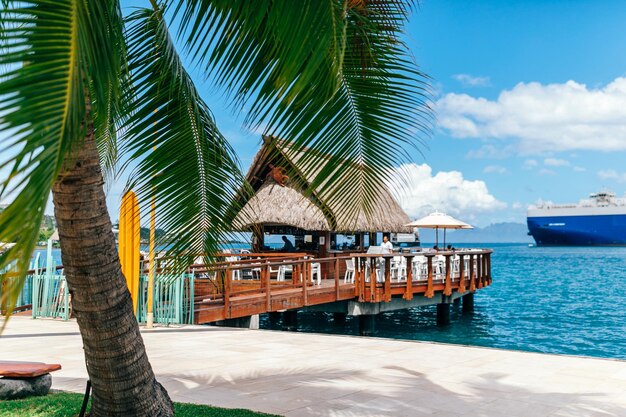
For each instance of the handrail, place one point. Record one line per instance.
(250, 286)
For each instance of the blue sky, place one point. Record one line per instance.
(529, 100)
(484, 49)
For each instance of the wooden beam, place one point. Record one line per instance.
(336, 279)
(430, 293)
(227, 277)
(408, 294)
(387, 290)
(372, 262)
(265, 278)
(472, 273)
(461, 273)
(447, 290)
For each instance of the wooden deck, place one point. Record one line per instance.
(251, 284)
(247, 287)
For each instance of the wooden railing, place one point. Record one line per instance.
(253, 286)
(259, 283)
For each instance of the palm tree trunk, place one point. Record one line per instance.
(121, 376)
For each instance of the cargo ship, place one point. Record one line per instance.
(599, 220)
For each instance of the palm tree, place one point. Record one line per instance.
(86, 92)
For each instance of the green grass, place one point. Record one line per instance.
(63, 404)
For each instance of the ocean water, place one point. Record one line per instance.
(553, 300)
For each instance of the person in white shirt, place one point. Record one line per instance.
(386, 247)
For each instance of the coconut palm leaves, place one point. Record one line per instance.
(266, 52)
(49, 51)
(375, 118)
(357, 98)
(185, 162)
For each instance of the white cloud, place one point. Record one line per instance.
(540, 118)
(490, 152)
(471, 81)
(530, 164)
(555, 162)
(444, 191)
(612, 175)
(546, 171)
(516, 205)
(579, 169)
(495, 169)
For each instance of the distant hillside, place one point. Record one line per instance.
(494, 233)
(48, 225)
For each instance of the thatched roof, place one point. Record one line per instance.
(274, 205)
(283, 207)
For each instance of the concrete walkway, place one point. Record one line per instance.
(298, 374)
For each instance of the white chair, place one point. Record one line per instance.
(466, 264)
(439, 268)
(398, 268)
(316, 271)
(420, 268)
(456, 268)
(367, 271)
(235, 273)
(280, 272)
(349, 275)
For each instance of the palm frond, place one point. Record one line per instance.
(184, 161)
(43, 112)
(374, 121)
(266, 51)
(109, 107)
(333, 76)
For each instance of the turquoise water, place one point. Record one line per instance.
(556, 300)
(56, 255)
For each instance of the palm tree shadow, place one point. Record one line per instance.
(327, 391)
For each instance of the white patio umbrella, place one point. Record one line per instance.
(438, 221)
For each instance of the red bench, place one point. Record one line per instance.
(25, 379)
(27, 369)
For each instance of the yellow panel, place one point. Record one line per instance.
(129, 243)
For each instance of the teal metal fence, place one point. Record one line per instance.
(173, 299)
(50, 295)
(45, 289)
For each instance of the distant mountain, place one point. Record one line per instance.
(494, 233)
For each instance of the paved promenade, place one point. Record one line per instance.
(297, 374)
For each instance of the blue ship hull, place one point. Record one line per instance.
(595, 230)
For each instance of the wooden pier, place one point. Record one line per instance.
(245, 285)
(250, 286)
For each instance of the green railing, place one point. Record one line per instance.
(45, 289)
(173, 299)
(50, 295)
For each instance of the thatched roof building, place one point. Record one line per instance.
(273, 204)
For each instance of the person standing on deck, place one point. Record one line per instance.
(386, 247)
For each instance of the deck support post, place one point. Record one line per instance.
(443, 314)
(457, 302)
(274, 317)
(290, 320)
(468, 303)
(366, 325)
(339, 319)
